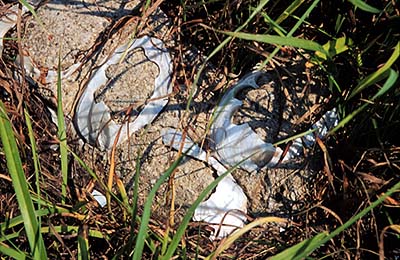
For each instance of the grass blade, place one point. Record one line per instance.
(364, 6)
(74, 229)
(83, 244)
(274, 25)
(301, 249)
(142, 234)
(36, 163)
(390, 82)
(134, 201)
(39, 213)
(279, 40)
(136, 190)
(289, 10)
(32, 11)
(185, 221)
(377, 75)
(291, 138)
(20, 185)
(293, 30)
(6, 250)
(232, 238)
(335, 47)
(62, 135)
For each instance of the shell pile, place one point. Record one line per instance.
(231, 144)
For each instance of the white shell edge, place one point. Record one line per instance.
(93, 120)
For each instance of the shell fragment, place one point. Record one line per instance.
(226, 208)
(99, 197)
(239, 144)
(328, 121)
(93, 120)
(235, 144)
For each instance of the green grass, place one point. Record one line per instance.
(62, 134)
(17, 173)
(142, 233)
(306, 247)
(35, 157)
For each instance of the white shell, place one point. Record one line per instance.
(234, 144)
(93, 120)
(99, 197)
(328, 121)
(31, 69)
(226, 208)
